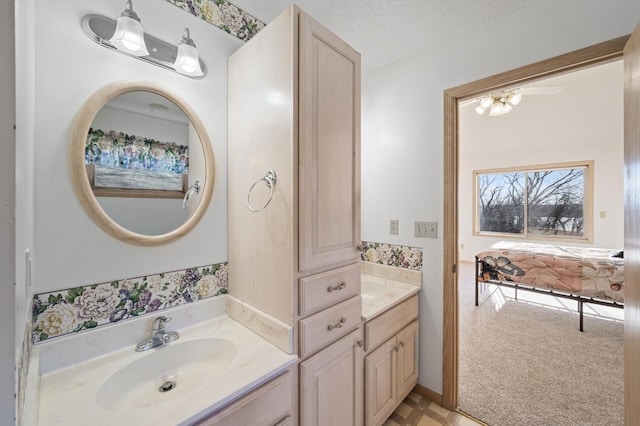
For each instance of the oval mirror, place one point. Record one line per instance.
(141, 163)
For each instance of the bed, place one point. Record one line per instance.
(587, 275)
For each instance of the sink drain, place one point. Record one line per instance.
(167, 386)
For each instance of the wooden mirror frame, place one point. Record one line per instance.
(76, 158)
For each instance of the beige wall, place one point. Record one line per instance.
(582, 122)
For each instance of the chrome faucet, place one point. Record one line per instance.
(159, 336)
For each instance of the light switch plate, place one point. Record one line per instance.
(426, 229)
(393, 227)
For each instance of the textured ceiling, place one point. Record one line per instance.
(385, 31)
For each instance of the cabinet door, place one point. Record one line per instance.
(329, 148)
(407, 359)
(380, 383)
(331, 384)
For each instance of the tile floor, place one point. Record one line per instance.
(416, 410)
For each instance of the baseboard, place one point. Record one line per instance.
(429, 394)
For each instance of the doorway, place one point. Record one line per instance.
(526, 346)
(581, 58)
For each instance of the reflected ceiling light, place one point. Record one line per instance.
(499, 104)
(158, 107)
(129, 36)
(187, 61)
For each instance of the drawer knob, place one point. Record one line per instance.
(360, 343)
(342, 321)
(340, 286)
(402, 344)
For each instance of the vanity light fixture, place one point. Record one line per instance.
(129, 36)
(499, 104)
(126, 36)
(187, 61)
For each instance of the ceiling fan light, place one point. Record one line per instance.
(506, 108)
(480, 110)
(129, 36)
(485, 102)
(497, 108)
(514, 98)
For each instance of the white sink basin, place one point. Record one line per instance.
(166, 373)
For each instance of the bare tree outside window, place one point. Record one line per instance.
(546, 202)
(501, 202)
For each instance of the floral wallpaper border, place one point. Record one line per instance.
(123, 151)
(224, 15)
(73, 310)
(392, 255)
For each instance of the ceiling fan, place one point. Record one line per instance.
(500, 103)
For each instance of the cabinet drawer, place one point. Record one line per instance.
(378, 330)
(270, 404)
(328, 288)
(326, 326)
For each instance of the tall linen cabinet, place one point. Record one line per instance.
(294, 109)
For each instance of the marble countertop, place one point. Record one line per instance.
(70, 375)
(67, 396)
(380, 294)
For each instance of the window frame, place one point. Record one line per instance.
(587, 203)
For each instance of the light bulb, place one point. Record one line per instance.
(514, 98)
(497, 108)
(486, 102)
(129, 36)
(187, 61)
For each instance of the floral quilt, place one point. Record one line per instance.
(591, 272)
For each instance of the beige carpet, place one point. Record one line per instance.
(524, 362)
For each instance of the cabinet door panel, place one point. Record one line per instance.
(329, 133)
(267, 405)
(407, 359)
(380, 383)
(331, 384)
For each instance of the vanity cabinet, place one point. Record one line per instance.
(269, 405)
(293, 243)
(391, 364)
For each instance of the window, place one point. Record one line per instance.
(538, 201)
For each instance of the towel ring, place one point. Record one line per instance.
(187, 197)
(270, 180)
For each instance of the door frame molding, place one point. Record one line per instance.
(593, 55)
